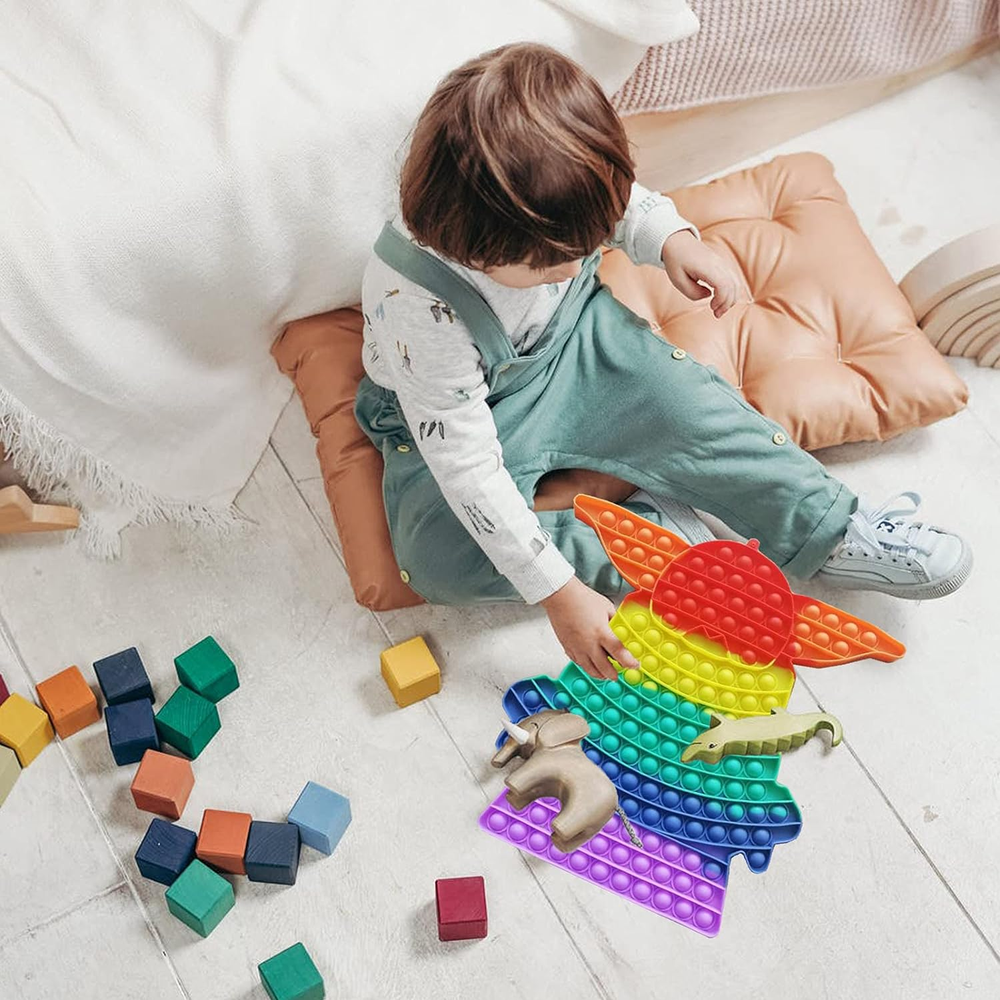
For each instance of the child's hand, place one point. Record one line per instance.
(688, 261)
(579, 618)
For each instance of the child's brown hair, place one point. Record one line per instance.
(517, 157)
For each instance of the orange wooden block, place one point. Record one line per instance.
(222, 840)
(69, 702)
(162, 784)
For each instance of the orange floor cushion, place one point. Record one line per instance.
(824, 343)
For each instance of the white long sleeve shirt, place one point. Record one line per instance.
(418, 347)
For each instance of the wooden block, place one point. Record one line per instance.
(162, 784)
(165, 851)
(123, 677)
(131, 730)
(4, 693)
(18, 514)
(187, 721)
(461, 908)
(25, 728)
(207, 669)
(292, 975)
(10, 771)
(272, 853)
(222, 840)
(70, 703)
(321, 815)
(410, 671)
(200, 898)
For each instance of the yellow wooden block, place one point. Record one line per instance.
(25, 728)
(9, 772)
(410, 671)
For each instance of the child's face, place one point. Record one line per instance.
(524, 276)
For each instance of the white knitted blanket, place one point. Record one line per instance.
(180, 178)
(758, 47)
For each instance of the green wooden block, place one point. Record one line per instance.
(291, 975)
(207, 669)
(187, 721)
(200, 898)
(10, 771)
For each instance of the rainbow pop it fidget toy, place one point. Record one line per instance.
(715, 627)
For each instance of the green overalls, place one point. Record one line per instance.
(599, 390)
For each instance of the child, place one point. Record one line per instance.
(494, 356)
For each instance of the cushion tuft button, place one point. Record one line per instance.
(779, 438)
(679, 354)
(402, 448)
(404, 576)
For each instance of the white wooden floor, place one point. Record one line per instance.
(891, 891)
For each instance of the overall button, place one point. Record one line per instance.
(779, 438)
(402, 448)
(679, 354)
(504, 368)
(404, 576)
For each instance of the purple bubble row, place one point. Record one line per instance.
(662, 876)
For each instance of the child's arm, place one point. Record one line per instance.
(434, 367)
(430, 359)
(653, 232)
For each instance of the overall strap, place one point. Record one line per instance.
(430, 272)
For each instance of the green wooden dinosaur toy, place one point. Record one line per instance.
(759, 734)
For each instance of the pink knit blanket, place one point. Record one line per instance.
(757, 47)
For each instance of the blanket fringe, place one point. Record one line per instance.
(59, 470)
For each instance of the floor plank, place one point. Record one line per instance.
(311, 706)
(53, 855)
(853, 884)
(103, 949)
(293, 440)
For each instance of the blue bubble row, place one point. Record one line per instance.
(720, 829)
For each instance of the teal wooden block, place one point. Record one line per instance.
(207, 669)
(10, 771)
(200, 898)
(187, 721)
(321, 815)
(292, 975)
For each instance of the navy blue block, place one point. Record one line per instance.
(272, 853)
(131, 730)
(165, 851)
(123, 677)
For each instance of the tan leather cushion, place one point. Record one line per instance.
(825, 344)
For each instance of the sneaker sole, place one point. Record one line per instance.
(908, 591)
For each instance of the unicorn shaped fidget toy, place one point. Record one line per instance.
(717, 632)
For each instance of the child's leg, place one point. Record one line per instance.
(444, 564)
(653, 416)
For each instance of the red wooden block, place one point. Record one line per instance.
(162, 784)
(461, 908)
(4, 693)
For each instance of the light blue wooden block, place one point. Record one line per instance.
(321, 815)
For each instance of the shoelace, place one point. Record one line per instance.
(889, 528)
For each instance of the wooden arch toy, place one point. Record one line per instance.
(955, 295)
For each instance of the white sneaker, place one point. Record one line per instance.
(886, 550)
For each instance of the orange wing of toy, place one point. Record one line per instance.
(823, 636)
(640, 550)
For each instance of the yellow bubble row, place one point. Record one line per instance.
(696, 668)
